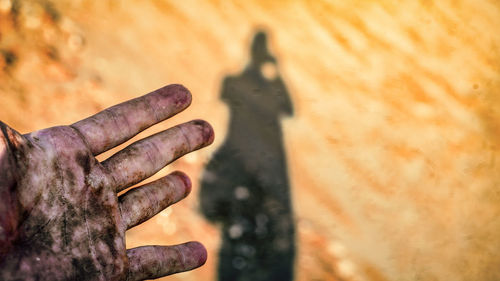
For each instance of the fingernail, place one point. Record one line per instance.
(185, 179)
(208, 131)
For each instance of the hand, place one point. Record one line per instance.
(60, 216)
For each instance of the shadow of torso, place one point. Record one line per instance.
(245, 185)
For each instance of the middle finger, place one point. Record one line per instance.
(145, 157)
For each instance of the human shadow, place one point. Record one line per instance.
(245, 185)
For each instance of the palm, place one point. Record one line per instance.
(63, 218)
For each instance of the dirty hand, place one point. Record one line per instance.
(60, 216)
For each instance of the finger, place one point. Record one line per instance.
(117, 124)
(142, 203)
(151, 262)
(143, 158)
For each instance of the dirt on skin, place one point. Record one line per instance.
(393, 147)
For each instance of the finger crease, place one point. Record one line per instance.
(77, 131)
(181, 258)
(160, 255)
(117, 122)
(148, 152)
(153, 203)
(155, 111)
(124, 219)
(185, 137)
(115, 183)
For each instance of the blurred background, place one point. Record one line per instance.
(370, 128)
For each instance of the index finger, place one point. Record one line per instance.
(117, 124)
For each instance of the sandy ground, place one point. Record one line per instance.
(393, 149)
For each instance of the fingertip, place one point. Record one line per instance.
(183, 97)
(199, 251)
(170, 100)
(186, 180)
(208, 132)
(211, 134)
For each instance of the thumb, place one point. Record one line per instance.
(10, 141)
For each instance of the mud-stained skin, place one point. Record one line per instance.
(60, 216)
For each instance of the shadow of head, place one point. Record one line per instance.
(260, 53)
(259, 89)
